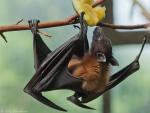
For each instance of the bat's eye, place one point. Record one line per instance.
(101, 57)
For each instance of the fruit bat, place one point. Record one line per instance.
(52, 67)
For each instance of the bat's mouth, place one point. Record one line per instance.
(100, 57)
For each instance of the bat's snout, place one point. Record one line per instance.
(100, 57)
(102, 48)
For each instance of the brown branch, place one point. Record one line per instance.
(70, 20)
(67, 21)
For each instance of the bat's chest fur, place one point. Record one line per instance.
(95, 75)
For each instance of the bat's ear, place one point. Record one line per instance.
(114, 61)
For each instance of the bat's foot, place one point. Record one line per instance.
(83, 25)
(33, 24)
(77, 102)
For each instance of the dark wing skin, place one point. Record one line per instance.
(40, 50)
(117, 77)
(51, 67)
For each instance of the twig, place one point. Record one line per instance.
(19, 21)
(138, 26)
(45, 34)
(144, 11)
(3, 36)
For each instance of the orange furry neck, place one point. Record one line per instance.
(95, 75)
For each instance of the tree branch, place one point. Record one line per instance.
(41, 25)
(70, 20)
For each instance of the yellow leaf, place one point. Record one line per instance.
(100, 11)
(92, 15)
(90, 2)
(78, 4)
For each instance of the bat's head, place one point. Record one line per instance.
(102, 48)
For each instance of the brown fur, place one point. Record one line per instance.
(94, 74)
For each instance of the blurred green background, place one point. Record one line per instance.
(16, 62)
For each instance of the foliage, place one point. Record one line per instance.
(92, 15)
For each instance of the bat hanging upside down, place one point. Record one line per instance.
(94, 67)
(91, 66)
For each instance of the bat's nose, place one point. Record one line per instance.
(100, 57)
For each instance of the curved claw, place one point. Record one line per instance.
(143, 44)
(76, 27)
(74, 100)
(45, 101)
